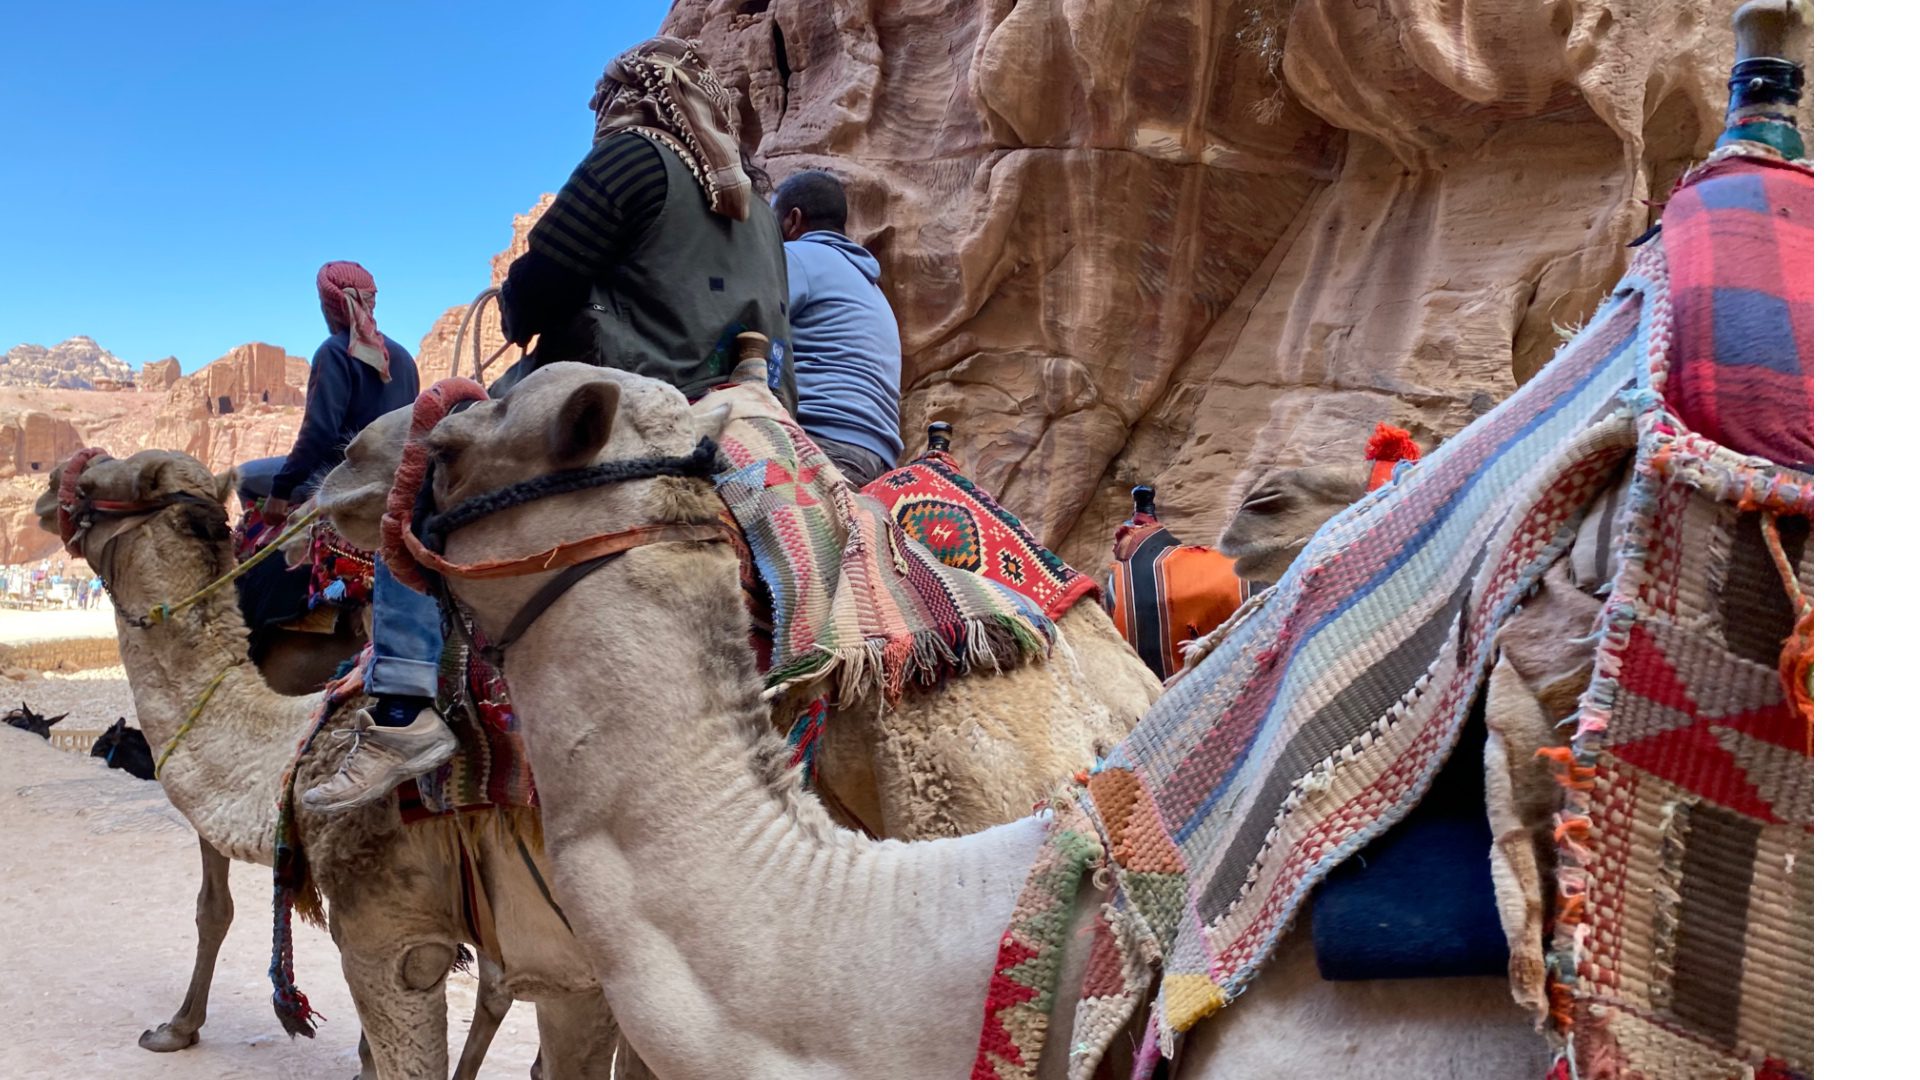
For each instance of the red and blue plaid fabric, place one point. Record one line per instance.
(1739, 240)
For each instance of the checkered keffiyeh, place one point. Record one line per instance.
(1739, 242)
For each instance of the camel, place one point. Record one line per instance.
(994, 744)
(714, 897)
(393, 889)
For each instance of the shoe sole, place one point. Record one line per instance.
(432, 759)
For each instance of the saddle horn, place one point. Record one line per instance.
(1143, 500)
(939, 437)
(1768, 76)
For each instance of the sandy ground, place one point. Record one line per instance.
(18, 627)
(97, 884)
(92, 700)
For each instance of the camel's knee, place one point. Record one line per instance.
(214, 913)
(424, 966)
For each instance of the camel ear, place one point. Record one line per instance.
(709, 423)
(584, 423)
(223, 485)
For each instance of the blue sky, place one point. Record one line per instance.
(172, 174)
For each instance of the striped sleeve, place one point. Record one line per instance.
(611, 198)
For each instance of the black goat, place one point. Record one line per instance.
(126, 749)
(26, 719)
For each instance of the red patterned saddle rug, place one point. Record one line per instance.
(966, 528)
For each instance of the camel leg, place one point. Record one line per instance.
(578, 1036)
(488, 1011)
(212, 915)
(402, 1004)
(627, 1064)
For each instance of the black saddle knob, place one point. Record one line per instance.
(940, 436)
(1143, 499)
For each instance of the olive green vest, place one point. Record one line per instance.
(671, 309)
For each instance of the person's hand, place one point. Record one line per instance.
(274, 512)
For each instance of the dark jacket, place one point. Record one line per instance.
(630, 269)
(344, 395)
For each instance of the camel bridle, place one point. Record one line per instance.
(576, 559)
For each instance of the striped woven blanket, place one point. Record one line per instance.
(1329, 705)
(967, 528)
(854, 598)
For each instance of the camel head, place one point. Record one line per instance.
(170, 508)
(1282, 509)
(569, 416)
(27, 720)
(354, 494)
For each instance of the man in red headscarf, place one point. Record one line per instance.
(359, 375)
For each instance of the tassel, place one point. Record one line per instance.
(1387, 446)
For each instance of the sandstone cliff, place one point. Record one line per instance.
(1182, 241)
(245, 405)
(78, 363)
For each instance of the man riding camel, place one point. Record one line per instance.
(656, 254)
(359, 375)
(846, 343)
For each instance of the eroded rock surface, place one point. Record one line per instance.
(1187, 241)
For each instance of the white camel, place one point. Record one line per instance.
(946, 761)
(736, 930)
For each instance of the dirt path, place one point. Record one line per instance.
(97, 881)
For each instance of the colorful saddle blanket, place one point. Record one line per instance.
(1683, 943)
(967, 528)
(1163, 594)
(490, 769)
(854, 597)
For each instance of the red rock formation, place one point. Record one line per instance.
(159, 375)
(34, 443)
(1182, 241)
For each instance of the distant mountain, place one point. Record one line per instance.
(78, 363)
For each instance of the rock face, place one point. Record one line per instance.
(239, 407)
(1184, 242)
(245, 405)
(34, 443)
(78, 363)
(159, 375)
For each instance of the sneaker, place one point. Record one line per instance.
(381, 758)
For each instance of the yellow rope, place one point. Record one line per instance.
(193, 714)
(162, 612)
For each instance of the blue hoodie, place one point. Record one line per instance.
(846, 345)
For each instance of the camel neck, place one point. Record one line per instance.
(224, 772)
(700, 889)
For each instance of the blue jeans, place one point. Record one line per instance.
(406, 639)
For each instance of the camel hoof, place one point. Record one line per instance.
(165, 1040)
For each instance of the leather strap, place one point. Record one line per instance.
(570, 553)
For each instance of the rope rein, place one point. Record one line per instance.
(160, 613)
(193, 717)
